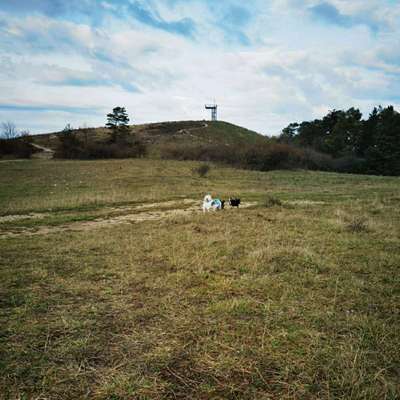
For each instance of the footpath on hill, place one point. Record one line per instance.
(43, 153)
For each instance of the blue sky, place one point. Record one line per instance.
(266, 62)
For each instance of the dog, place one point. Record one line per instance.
(212, 204)
(234, 202)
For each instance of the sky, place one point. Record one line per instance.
(266, 63)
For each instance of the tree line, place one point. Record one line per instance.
(341, 141)
(368, 145)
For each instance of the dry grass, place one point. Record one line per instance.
(264, 303)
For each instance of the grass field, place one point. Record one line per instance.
(295, 297)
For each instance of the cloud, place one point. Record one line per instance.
(94, 11)
(265, 64)
(331, 14)
(148, 16)
(46, 108)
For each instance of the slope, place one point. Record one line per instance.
(155, 134)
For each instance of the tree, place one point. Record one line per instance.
(367, 135)
(117, 121)
(289, 133)
(357, 145)
(68, 128)
(70, 145)
(311, 134)
(342, 136)
(384, 155)
(8, 130)
(14, 143)
(85, 131)
(25, 133)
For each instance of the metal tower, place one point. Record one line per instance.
(213, 108)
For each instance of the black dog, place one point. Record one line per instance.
(222, 204)
(234, 202)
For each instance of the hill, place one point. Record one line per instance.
(156, 134)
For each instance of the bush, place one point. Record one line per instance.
(357, 224)
(114, 150)
(16, 147)
(315, 160)
(271, 201)
(262, 157)
(349, 164)
(202, 170)
(72, 147)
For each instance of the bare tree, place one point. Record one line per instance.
(25, 133)
(8, 130)
(85, 131)
(68, 128)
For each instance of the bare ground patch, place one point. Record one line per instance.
(139, 213)
(306, 203)
(19, 217)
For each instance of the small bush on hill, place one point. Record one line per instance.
(71, 146)
(114, 150)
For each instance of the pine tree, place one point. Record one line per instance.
(384, 156)
(117, 121)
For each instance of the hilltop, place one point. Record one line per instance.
(155, 134)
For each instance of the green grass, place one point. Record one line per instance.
(284, 301)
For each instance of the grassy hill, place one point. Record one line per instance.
(114, 285)
(193, 132)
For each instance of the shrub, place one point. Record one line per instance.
(202, 170)
(17, 147)
(114, 150)
(72, 147)
(350, 164)
(271, 201)
(261, 157)
(315, 160)
(357, 224)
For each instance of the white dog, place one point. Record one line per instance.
(211, 204)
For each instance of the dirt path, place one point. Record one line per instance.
(141, 213)
(18, 217)
(44, 153)
(196, 128)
